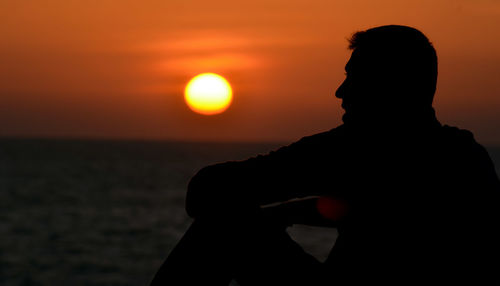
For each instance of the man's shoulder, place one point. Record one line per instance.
(453, 132)
(315, 143)
(462, 143)
(455, 137)
(337, 133)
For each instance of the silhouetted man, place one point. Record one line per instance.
(414, 202)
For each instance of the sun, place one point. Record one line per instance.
(208, 94)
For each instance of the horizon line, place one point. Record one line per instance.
(164, 140)
(137, 139)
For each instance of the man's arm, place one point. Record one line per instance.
(322, 211)
(302, 169)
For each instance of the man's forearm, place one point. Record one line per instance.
(307, 211)
(281, 175)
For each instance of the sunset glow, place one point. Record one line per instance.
(119, 69)
(208, 94)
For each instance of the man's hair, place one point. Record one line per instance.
(403, 55)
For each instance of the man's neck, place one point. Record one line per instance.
(389, 123)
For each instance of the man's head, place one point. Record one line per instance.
(392, 73)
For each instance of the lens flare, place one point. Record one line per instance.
(331, 208)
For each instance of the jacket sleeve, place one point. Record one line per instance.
(299, 170)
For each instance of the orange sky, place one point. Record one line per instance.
(117, 69)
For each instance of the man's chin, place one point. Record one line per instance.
(347, 118)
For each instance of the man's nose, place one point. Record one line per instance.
(341, 90)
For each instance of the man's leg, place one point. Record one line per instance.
(254, 251)
(198, 259)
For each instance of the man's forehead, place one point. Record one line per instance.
(349, 63)
(354, 61)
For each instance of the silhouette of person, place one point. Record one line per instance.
(414, 201)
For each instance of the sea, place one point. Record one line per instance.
(107, 212)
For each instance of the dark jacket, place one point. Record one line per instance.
(423, 200)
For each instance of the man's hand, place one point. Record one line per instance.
(315, 211)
